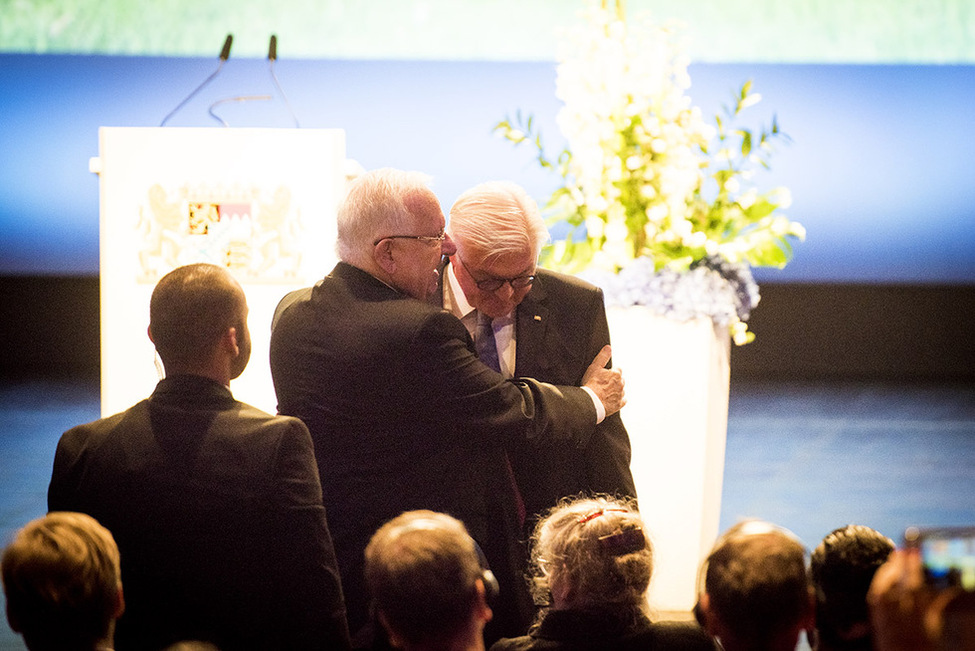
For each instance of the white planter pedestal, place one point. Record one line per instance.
(677, 379)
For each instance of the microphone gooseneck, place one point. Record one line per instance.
(224, 55)
(272, 55)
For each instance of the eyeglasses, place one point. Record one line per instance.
(494, 284)
(426, 239)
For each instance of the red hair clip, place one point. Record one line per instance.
(596, 514)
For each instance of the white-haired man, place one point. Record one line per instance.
(402, 413)
(543, 325)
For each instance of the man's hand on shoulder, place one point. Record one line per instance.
(606, 383)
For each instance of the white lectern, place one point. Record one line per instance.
(260, 202)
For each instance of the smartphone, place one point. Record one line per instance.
(947, 554)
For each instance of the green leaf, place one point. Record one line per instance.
(759, 209)
(746, 141)
(769, 253)
(746, 89)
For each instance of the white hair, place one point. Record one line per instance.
(495, 218)
(375, 207)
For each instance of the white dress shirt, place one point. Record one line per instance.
(455, 302)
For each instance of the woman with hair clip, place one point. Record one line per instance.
(591, 563)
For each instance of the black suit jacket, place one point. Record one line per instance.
(607, 628)
(404, 416)
(560, 326)
(217, 510)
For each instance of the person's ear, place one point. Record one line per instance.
(382, 253)
(149, 332)
(482, 611)
(561, 592)
(120, 604)
(229, 341)
(809, 618)
(701, 610)
(395, 640)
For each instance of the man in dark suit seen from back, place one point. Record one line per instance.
(215, 505)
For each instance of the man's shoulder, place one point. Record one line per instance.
(555, 281)
(566, 295)
(258, 419)
(302, 295)
(94, 438)
(103, 426)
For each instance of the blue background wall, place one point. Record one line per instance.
(879, 166)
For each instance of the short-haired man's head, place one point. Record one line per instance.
(494, 219)
(62, 581)
(842, 567)
(378, 204)
(756, 582)
(592, 552)
(423, 569)
(191, 308)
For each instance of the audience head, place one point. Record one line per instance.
(589, 553)
(756, 593)
(391, 226)
(428, 581)
(198, 322)
(499, 233)
(62, 581)
(192, 645)
(841, 568)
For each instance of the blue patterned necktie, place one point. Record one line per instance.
(487, 348)
(487, 351)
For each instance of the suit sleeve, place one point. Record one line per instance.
(312, 609)
(608, 454)
(454, 386)
(60, 494)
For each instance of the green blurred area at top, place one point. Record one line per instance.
(761, 31)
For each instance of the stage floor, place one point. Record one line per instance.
(809, 456)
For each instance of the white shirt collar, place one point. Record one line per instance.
(454, 300)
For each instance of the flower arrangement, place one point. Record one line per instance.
(660, 205)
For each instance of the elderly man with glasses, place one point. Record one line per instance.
(403, 414)
(533, 323)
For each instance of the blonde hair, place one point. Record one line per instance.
(598, 548)
(61, 576)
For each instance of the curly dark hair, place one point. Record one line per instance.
(841, 568)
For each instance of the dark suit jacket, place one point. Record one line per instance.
(404, 416)
(579, 630)
(217, 511)
(560, 326)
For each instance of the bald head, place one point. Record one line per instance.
(191, 311)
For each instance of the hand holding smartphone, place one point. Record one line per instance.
(947, 555)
